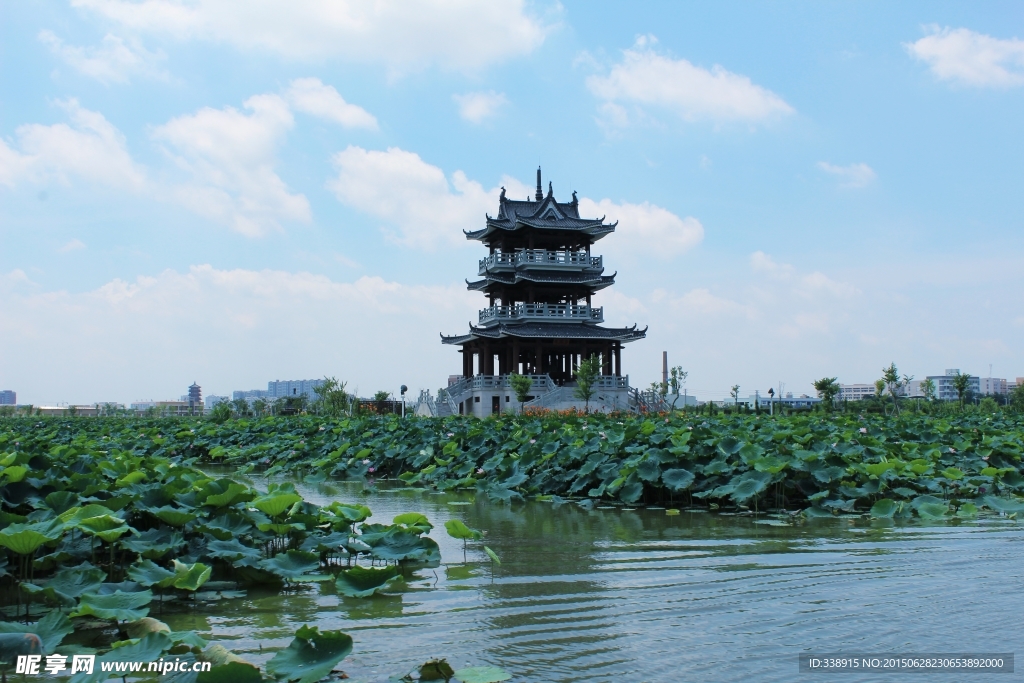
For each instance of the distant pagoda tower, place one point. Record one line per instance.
(539, 278)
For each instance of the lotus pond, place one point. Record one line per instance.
(251, 544)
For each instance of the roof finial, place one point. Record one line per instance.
(551, 190)
(540, 193)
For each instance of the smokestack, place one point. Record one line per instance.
(664, 368)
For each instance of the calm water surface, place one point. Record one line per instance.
(636, 595)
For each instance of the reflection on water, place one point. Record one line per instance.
(638, 595)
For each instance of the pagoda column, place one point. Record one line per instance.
(606, 360)
(515, 355)
(618, 360)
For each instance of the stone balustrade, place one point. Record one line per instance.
(542, 312)
(540, 258)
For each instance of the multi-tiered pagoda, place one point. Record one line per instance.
(539, 278)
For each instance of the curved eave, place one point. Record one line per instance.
(594, 283)
(580, 332)
(595, 229)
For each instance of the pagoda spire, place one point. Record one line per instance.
(540, 192)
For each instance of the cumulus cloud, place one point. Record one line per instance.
(854, 175)
(421, 206)
(404, 35)
(763, 263)
(477, 106)
(72, 245)
(138, 337)
(114, 60)
(230, 155)
(646, 230)
(969, 58)
(648, 78)
(90, 149)
(311, 96)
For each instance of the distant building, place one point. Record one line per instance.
(8, 398)
(161, 407)
(195, 398)
(944, 389)
(250, 395)
(855, 392)
(992, 386)
(212, 401)
(294, 388)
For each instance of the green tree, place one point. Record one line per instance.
(259, 407)
(735, 393)
(1017, 398)
(676, 379)
(221, 413)
(331, 398)
(586, 375)
(828, 389)
(893, 383)
(521, 385)
(962, 385)
(241, 406)
(928, 389)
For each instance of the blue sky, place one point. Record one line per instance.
(234, 193)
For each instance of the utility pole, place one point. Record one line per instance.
(664, 368)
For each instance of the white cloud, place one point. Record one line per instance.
(968, 58)
(701, 301)
(230, 157)
(646, 230)
(73, 245)
(115, 60)
(138, 338)
(854, 175)
(763, 263)
(647, 78)
(477, 106)
(817, 282)
(311, 96)
(90, 149)
(463, 35)
(415, 198)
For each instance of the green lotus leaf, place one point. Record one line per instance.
(149, 573)
(415, 521)
(677, 479)
(14, 474)
(436, 670)
(649, 470)
(631, 492)
(493, 555)
(291, 564)
(233, 493)
(72, 516)
(275, 504)
(232, 672)
(61, 501)
(131, 478)
(117, 606)
(232, 551)
(145, 625)
(146, 649)
(457, 529)
(173, 516)
(967, 510)
(952, 473)
(401, 546)
(730, 445)
(360, 582)
(482, 674)
(1006, 505)
(50, 630)
(189, 577)
(749, 484)
(153, 544)
(227, 526)
(25, 539)
(311, 655)
(932, 510)
(105, 527)
(190, 638)
(348, 513)
(884, 508)
(280, 529)
(68, 583)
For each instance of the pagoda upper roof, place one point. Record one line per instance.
(548, 330)
(545, 214)
(595, 281)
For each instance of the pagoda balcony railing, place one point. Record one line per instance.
(540, 258)
(542, 312)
